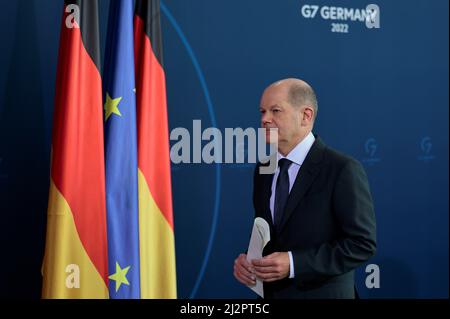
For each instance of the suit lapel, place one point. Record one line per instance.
(305, 177)
(266, 180)
(267, 192)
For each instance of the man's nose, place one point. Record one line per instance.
(266, 118)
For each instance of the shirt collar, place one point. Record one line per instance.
(298, 154)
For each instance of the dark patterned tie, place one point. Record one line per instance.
(281, 191)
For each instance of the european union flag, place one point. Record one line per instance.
(121, 154)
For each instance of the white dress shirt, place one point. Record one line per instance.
(296, 156)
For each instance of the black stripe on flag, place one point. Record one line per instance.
(89, 27)
(149, 11)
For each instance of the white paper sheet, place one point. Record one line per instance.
(260, 237)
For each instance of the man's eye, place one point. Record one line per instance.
(276, 110)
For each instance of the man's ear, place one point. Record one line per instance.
(308, 115)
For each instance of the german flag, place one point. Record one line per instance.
(76, 257)
(157, 244)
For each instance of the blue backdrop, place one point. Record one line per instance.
(383, 98)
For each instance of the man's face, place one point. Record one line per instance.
(277, 112)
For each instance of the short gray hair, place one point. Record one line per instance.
(300, 94)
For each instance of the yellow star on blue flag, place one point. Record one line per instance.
(112, 106)
(120, 277)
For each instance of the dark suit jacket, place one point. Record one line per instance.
(328, 225)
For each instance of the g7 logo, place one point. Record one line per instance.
(371, 147)
(309, 11)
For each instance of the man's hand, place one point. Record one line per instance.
(272, 267)
(244, 271)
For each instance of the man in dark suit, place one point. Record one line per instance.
(317, 204)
